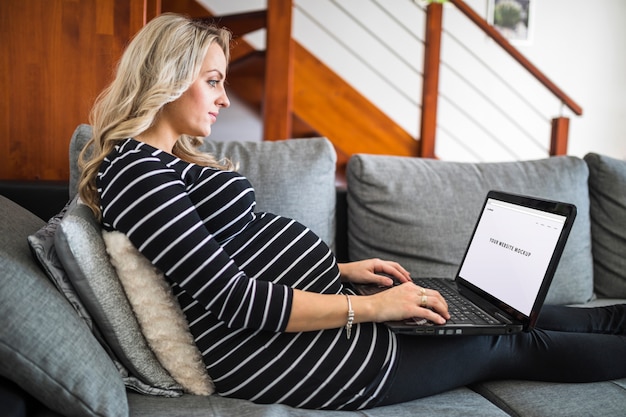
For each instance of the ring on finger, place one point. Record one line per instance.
(423, 290)
(424, 301)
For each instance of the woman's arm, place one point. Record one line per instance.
(312, 311)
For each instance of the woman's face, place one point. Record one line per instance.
(197, 109)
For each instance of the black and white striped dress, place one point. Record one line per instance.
(234, 271)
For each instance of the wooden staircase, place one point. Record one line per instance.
(318, 110)
(299, 96)
(322, 103)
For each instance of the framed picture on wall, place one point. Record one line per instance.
(512, 18)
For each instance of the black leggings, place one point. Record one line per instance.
(568, 345)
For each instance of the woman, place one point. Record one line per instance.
(264, 296)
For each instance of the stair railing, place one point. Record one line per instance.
(278, 89)
(434, 18)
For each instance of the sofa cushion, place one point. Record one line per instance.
(421, 212)
(292, 178)
(530, 398)
(44, 250)
(607, 182)
(82, 252)
(159, 315)
(44, 346)
(80, 137)
(42, 245)
(460, 402)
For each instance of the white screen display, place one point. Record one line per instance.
(510, 252)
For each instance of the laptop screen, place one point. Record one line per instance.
(510, 252)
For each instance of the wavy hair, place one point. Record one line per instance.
(158, 66)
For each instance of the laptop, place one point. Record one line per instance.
(506, 271)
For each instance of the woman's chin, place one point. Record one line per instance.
(201, 132)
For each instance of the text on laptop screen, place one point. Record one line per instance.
(510, 252)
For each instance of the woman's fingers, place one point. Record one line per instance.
(393, 269)
(434, 306)
(408, 300)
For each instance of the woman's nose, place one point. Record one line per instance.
(223, 100)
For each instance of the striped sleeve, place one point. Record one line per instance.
(147, 200)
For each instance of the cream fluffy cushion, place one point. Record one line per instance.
(161, 320)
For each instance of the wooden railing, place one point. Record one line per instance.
(285, 89)
(560, 125)
(278, 103)
(335, 111)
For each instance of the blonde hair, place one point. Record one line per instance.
(158, 66)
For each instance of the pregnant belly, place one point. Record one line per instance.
(283, 251)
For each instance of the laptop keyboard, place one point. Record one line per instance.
(461, 310)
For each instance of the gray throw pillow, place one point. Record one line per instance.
(79, 139)
(607, 192)
(421, 212)
(82, 252)
(42, 246)
(44, 346)
(293, 178)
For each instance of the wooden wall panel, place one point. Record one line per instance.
(56, 56)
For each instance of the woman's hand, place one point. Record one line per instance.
(408, 300)
(312, 311)
(367, 272)
(399, 303)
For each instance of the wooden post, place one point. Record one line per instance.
(141, 12)
(278, 94)
(559, 136)
(430, 90)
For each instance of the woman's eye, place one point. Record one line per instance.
(213, 83)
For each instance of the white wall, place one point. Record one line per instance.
(582, 45)
(577, 43)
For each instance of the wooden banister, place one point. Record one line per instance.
(430, 88)
(243, 23)
(284, 97)
(501, 40)
(558, 139)
(278, 95)
(190, 8)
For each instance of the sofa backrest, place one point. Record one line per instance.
(421, 212)
(45, 347)
(607, 195)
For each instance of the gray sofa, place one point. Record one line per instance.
(70, 344)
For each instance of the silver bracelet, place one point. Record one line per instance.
(350, 318)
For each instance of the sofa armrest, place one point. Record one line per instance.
(42, 198)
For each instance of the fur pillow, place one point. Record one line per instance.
(159, 315)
